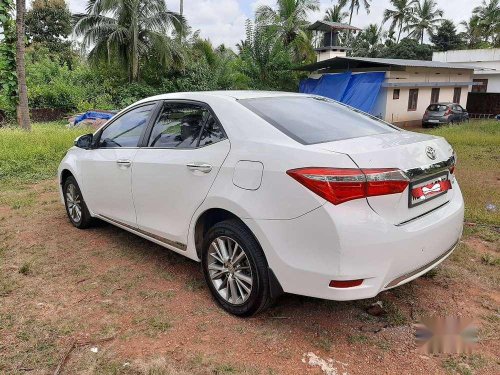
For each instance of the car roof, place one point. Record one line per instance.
(228, 94)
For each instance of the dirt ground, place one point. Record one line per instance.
(103, 301)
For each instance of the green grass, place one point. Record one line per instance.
(34, 156)
(478, 148)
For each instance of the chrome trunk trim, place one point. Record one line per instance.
(428, 170)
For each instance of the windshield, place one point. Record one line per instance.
(437, 107)
(311, 120)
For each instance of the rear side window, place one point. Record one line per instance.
(315, 120)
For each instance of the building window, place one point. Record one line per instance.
(456, 94)
(480, 88)
(412, 100)
(395, 94)
(435, 95)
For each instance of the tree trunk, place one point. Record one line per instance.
(350, 20)
(135, 51)
(400, 28)
(23, 114)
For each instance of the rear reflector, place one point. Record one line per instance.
(338, 185)
(345, 283)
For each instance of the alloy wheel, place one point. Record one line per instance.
(229, 270)
(73, 203)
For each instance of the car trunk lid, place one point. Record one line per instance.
(423, 158)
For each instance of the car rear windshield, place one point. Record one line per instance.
(437, 107)
(311, 120)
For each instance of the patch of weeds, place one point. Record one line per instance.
(431, 274)
(358, 339)
(395, 316)
(168, 276)
(225, 369)
(490, 260)
(464, 365)
(195, 284)
(324, 341)
(366, 318)
(383, 344)
(26, 269)
(160, 323)
(7, 286)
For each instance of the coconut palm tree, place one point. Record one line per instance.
(424, 18)
(356, 4)
(369, 41)
(128, 30)
(489, 19)
(399, 16)
(472, 32)
(336, 13)
(288, 19)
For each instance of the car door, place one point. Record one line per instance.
(457, 113)
(173, 173)
(106, 168)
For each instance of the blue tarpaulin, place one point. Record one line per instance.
(357, 90)
(93, 115)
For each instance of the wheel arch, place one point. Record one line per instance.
(212, 216)
(65, 173)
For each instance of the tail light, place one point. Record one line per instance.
(339, 185)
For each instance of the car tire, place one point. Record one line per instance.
(76, 208)
(228, 273)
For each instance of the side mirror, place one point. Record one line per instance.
(84, 141)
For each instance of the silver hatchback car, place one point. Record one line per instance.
(444, 113)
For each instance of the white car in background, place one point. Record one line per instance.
(272, 192)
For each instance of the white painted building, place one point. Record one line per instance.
(409, 86)
(486, 59)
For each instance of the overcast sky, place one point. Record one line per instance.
(223, 21)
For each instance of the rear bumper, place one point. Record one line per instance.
(350, 242)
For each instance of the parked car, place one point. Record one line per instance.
(271, 192)
(444, 113)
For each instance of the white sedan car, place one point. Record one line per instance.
(272, 192)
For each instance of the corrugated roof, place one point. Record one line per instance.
(328, 26)
(369, 62)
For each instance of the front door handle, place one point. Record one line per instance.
(124, 163)
(202, 167)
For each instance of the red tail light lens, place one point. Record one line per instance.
(339, 185)
(345, 283)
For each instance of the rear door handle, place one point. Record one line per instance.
(124, 163)
(202, 167)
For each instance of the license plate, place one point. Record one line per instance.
(433, 120)
(424, 190)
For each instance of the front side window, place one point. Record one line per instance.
(310, 120)
(126, 130)
(178, 126)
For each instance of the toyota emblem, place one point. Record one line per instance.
(431, 152)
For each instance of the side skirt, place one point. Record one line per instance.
(172, 245)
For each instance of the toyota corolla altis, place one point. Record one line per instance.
(272, 192)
